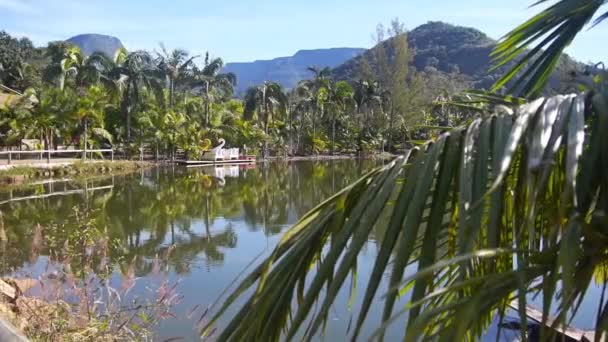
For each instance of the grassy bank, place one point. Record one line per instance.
(21, 174)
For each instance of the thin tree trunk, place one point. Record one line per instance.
(171, 92)
(333, 135)
(314, 127)
(290, 133)
(389, 140)
(265, 109)
(314, 131)
(48, 143)
(299, 137)
(207, 121)
(127, 111)
(265, 153)
(86, 132)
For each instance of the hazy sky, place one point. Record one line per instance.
(241, 30)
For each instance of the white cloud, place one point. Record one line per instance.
(17, 6)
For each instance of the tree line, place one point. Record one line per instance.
(169, 101)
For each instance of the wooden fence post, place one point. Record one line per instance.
(9, 157)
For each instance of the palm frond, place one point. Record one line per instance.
(554, 29)
(102, 133)
(478, 216)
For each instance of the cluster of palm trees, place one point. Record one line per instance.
(101, 99)
(169, 101)
(322, 115)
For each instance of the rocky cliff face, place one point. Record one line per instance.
(90, 43)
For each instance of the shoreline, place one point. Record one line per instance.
(25, 173)
(331, 157)
(18, 174)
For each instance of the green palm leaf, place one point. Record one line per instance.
(459, 210)
(552, 30)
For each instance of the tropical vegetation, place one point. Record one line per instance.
(170, 103)
(499, 197)
(481, 218)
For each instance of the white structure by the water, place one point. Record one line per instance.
(221, 172)
(221, 153)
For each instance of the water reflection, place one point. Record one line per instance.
(194, 210)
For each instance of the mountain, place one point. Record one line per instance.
(90, 43)
(288, 71)
(447, 48)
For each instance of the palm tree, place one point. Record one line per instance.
(175, 65)
(267, 100)
(317, 87)
(320, 75)
(90, 110)
(136, 73)
(171, 128)
(125, 76)
(210, 79)
(367, 95)
(510, 206)
(340, 96)
(68, 62)
(49, 111)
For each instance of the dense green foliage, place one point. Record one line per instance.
(163, 101)
(170, 102)
(173, 104)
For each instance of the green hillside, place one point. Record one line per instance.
(449, 49)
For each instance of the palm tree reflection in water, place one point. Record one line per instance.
(190, 209)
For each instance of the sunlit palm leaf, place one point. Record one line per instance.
(459, 210)
(554, 29)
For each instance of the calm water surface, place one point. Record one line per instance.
(220, 220)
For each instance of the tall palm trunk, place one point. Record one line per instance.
(290, 132)
(44, 135)
(207, 104)
(85, 139)
(314, 126)
(265, 109)
(127, 110)
(171, 91)
(333, 135)
(47, 144)
(389, 140)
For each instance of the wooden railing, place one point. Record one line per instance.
(41, 153)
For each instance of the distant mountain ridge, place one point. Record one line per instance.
(288, 71)
(90, 43)
(449, 48)
(436, 46)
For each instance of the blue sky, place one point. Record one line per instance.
(244, 30)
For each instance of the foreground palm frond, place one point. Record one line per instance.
(550, 31)
(508, 206)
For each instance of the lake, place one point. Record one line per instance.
(217, 223)
(220, 220)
